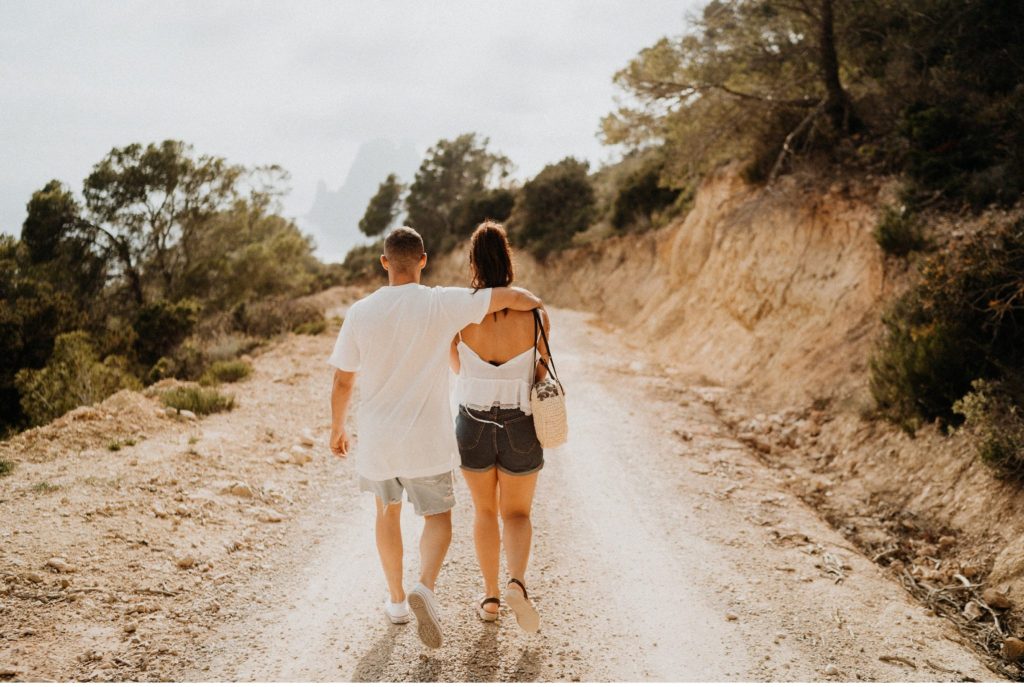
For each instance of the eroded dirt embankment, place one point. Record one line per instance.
(777, 295)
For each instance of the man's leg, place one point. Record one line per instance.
(389, 546)
(433, 498)
(437, 535)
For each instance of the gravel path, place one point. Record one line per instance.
(663, 551)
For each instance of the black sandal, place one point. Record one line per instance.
(484, 613)
(519, 602)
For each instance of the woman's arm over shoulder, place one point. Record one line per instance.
(512, 298)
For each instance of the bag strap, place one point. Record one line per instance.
(538, 324)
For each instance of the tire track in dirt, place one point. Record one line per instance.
(663, 551)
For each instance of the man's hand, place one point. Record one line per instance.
(339, 442)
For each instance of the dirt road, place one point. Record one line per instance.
(663, 551)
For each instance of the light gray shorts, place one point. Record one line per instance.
(428, 495)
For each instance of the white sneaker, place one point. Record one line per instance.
(398, 613)
(428, 615)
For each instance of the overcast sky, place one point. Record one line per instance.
(303, 84)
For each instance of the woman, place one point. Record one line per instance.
(496, 362)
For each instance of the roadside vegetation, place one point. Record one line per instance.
(197, 399)
(927, 91)
(167, 263)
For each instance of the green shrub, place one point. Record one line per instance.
(996, 424)
(72, 377)
(114, 446)
(898, 232)
(225, 371)
(312, 328)
(228, 346)
(495, 204)
(161, 326)
(962, 321)
(362, 264)
(45, 487)
(201, 401)
(554, 206)
(6, 467)
(265, 319)
(640, 196)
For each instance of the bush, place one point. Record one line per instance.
(264, 319)
(362, 264)
(161, 326)
(495, 204)
(312, 328)
(961, 321)
(72, 377)
(996, 424)
(640, 196)
(6, 467)
(197, 400)
(554, 206)
(225, 371)
(898, 232)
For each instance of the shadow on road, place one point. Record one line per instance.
(371, 667)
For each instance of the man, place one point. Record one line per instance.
(397, 341)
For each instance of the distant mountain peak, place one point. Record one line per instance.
(335, 215)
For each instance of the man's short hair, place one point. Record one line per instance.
(403, 247)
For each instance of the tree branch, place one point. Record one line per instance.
(787, 145)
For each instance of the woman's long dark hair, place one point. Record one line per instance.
(490, 256)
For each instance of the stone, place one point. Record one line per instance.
(307, 438)
(996, 599)
(187, 414)
(241, 489)
(1008, 568)
(300, 456)
(185, 562)
(970, 570)
(731, 616)
(33, 577)
(946, 541)
(973, 610)
(831, 669)
(60, 565)
(269, 515)
(1013, 649)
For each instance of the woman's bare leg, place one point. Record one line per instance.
(483, 487)
(514, 503)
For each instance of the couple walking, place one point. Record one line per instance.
(398, 342)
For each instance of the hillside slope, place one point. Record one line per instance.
(776, 292)
(777, 296)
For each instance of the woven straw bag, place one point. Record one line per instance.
(547, 397)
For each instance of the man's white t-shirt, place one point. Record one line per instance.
(397, 339)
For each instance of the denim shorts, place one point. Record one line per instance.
(428, 495)
(498, 438)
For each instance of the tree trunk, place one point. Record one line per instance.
(837, 103)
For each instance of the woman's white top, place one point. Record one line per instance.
(481, 386)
